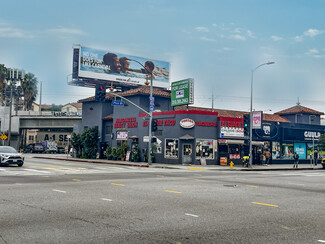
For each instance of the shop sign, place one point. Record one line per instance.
(126, 123)
(121, 135)
(300, 134)
(231, 132)
(207, 124)
(182, 92)
(268, 131)
(187, 123)
(234, 156)
(166, 122)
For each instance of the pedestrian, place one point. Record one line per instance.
(267, 156)
(262, 158)
(295, 160)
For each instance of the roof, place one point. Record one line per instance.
(76, 105)
(108, 117)
(145, 90)
(235, 114)
(91, 99)
(298, 109)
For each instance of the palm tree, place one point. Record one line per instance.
(29, 85)
(3, 75)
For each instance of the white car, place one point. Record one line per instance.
(9, 155)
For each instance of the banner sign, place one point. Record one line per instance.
(182, 92)
(117, 67)
(257, 119)
(231, 132)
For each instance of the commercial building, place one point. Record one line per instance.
(192, 135)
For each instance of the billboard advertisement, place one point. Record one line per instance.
(257, 119)
(106, 65)
(182, 92)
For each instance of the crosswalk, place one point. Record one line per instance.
(62, 169)
(293, 173)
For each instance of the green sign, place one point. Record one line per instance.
(182, 92)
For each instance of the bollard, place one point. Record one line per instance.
(231, 164)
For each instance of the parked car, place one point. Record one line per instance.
(9, 155)
(34, 148)
(60, 150)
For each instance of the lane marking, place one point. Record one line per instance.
(76, 180)
(322, 241)
(252, 186)
(296, 184)
(198, 180)
(35, 170)
(45, 176)
(173, 191)
(266, 204)
(115, 184)
(195, 168)
(59, 191)
(106, 199)
(192, 215)
(160, 176)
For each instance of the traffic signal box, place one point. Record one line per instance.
(100, 94)
(246, 125)
(154, 125)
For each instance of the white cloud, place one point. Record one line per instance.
(276, 38)
(201, 29)
(224, 49)
(9, 32)
(315, 53)
(238, 37)
(203, 38)
(308, 33)
(63, 30)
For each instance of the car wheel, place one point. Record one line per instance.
(20, 164)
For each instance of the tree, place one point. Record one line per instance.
(321, 141)
(29, 85)
(89, 137)
(3, 75)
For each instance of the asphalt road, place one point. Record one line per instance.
(48, 201)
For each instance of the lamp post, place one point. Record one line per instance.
(251, 114)
(150, 112)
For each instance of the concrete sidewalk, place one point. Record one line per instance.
(272, 167)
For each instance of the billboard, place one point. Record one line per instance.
(257, 119)
(105, 65)
(182, 92)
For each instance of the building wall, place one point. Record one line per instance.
(303, 118)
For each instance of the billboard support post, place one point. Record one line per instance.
(150, 112)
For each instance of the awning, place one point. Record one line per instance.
(239, 142)
(187, 137)
(133, 137)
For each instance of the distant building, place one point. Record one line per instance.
(72, 108)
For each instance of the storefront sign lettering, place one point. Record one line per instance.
(311, 134)
(166, 122)
(187, 123)
(208, 124)
(126, 123)
(232, 131)
(232, 124)
(169, 122)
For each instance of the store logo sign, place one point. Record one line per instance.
(187, 123)
(311, 134)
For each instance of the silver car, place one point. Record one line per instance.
(9, 155)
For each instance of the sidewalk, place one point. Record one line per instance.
(272, 167)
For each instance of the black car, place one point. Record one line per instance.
(34, 148)
(9, 155)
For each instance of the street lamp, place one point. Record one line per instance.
(251, 114)
(150, 112)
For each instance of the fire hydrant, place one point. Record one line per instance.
(231, 164)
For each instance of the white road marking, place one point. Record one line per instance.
(59, 191)
(35, 170)
(192, 215)
(106, 199)
(296, 184)
(322, 241)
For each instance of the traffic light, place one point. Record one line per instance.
(246, 125)
(100, 94)
(154, 125)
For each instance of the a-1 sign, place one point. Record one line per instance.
(182, 92)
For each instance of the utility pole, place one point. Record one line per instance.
(40, 100)
(10, 108)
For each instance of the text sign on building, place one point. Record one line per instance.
(182, 92)
(257, 119)
(118, 103)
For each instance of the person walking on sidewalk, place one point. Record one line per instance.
(295, 160)
(315, 157)
(268, 157)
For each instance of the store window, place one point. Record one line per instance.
(204, 148)
(287, 151)
(234, 152)
(108, 129)
(276, 150)
(171, 148)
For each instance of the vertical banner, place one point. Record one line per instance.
(257, 119)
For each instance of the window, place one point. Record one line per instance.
(275, 150)
(31, 138)
(156, 148)
(204, 148)
(108, 129)
(171, 148)
(287, 151)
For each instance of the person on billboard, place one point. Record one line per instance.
(125, 65)
(149, 67)
(112, 61)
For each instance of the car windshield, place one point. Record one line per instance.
(7, 150)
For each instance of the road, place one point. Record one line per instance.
(50, 201)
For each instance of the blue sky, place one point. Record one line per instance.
(215, 42)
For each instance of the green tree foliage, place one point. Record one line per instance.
(321, 141)
(3, 75)
(29, 85)
(89, 137)
(76, 143)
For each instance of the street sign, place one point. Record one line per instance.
(118, 103)
(3, 137)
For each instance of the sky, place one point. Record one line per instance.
(218, 43)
